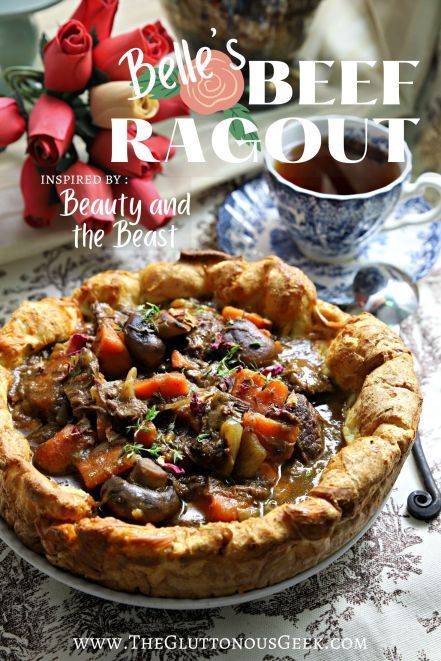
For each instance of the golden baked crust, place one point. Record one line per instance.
(365, 358)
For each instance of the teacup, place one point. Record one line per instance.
(334, 228)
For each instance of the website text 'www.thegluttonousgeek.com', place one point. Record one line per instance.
(173, 642)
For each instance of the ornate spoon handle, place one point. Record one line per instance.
(424, 505)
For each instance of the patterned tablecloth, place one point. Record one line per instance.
(381, 600)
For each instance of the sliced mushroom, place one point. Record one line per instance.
(147, 473)
(140, 504)
(142, 341)
(256, 348)
(170, 326)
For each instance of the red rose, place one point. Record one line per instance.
(146, 192)
(50, 131)
(150, 39)
(67, 59)
(174, 107)
(39, 206)
(97, 15)
(101, 153)
(93, 191)
(163, 32)
(159, 144)
(222, 90)
(12, 123)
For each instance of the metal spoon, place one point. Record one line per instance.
(390, 295)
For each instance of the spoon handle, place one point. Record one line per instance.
(424, 505)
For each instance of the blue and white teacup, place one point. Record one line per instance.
(334, 228)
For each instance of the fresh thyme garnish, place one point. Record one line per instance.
(151, 414)
(177, 456)
(131, 450)
(155, 450)
(142, 423)
(224, 367)
(202, 437)
(150, 311)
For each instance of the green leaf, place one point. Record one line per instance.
(237, 129)
(159, 91)
(130, 450)
(93, 34)
(43, 41)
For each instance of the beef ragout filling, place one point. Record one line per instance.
(181, 415)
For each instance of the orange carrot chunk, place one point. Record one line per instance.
(172, 384)
(251, 387)
(113, 356)
(146, 435)
(102, 462)
(221, 508)
(56, 455)
(277, 438)
(230, 312)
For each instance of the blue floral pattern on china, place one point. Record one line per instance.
(249, 225)
(334, 227)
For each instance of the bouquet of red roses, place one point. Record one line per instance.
(81, 88)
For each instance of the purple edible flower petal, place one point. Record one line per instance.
(173, 468)
(218, 341)
(274, 370)
(196, 404)
(76, 343)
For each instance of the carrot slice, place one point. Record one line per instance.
(172, 384)
(113, 356)
(252, 387)
(102, 462)
(268, 472)
(277, 438)
(56, 455)
(230, 312)
(221, 508)
(146, 435)
(178, 361)
(273, 393)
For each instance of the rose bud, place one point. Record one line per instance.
(97, 15)
(12, 123)
(100, 152)
(94, 190)
(111, 100)
(145, 191)
(39, 206)
(50, 131)
(68, 59)
(160, 145)
(174, 107)
(150, 39)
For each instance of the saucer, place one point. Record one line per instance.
(249, 225)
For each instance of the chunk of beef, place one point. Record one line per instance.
(206, 332)
(112, 398)
(310, 441)
(305, 368)
(104, 313)
(80, 381)
(38, 388)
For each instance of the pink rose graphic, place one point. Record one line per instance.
(219, 92)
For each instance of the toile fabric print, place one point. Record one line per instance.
(385, 589)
